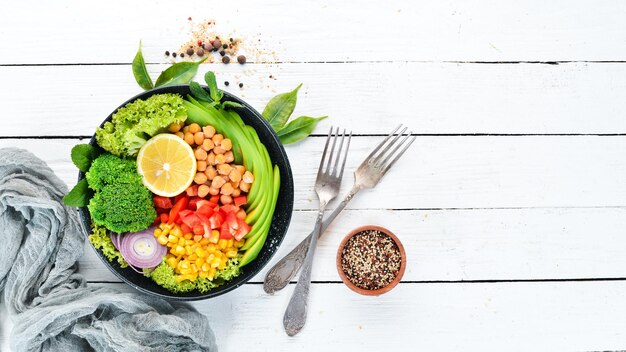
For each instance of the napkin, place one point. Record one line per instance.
(50, 304)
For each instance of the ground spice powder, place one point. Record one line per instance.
(371, 260)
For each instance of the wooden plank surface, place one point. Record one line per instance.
(320, 31)
(432, 98)
(537, 316)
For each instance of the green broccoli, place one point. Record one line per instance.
(108, 169)
(132, 125)
(121, 202)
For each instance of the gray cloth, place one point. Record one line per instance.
(51, 306)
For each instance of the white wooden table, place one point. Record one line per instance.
(511, 203)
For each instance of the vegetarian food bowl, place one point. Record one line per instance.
(275, 224)
(371, 260)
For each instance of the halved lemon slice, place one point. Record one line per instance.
(167, 165)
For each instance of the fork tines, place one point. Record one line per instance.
(385, 154)
(341, 153)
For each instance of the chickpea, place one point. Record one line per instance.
(208, 144)
(175, 127)
(185, 129)
(227, 189)
(234, 175)
(241, 214)
(210, 173)
(200, 178)
(229, 157)
(244, 186)
(220, 158)
(227, 144)
(225, 177)
(198, 137)
(189, 138)
(236, 192)
(200, 154)
(223, 169)
(218, 182)
(248, 177)
(180, 134)
(217, 139)
(203, 190)
(226, 199)
(214, 191)
(201, 166)
(240, 168)
(194, 128)
(209, 131)
(210, 159)
(219, 150)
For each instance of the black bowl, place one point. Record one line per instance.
(280, 221)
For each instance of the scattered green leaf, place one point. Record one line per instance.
(199, 93)
(178, 73)
(280, 108)
(298, 129)
(141, 72)
(216, 93)
(83, 155)
(79, 195)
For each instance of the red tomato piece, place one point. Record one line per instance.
(162, 202)
(180, 205)
(216, 220)
(241, 200)
(226, 232)
(214, 199)
(229, 208)
(244, 228)
(204, 210)
(164, 217)
(193, 203)
(198, 229)
(184, 228)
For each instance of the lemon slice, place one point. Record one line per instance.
(167, 165)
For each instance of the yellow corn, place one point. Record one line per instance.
(239, 244)
(221, 266)
(215, 236)
(162, 240)
(175, 231)
(210, 247)
(203, 274)
(192, 257)
(157, 232)
(188, 236)
(172, 262)
(172, 238)
(180, 250)
(221, 244)
(194, 268)
(199, 262)
(230, 243)
(200, 253)
(197, 238)
(204, 241)
(206, 267)
(231, 253)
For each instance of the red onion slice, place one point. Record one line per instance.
(115, 239)
(141, 249)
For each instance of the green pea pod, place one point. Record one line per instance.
(298, 129)
(280, 108)
(140, 71)
(178, 73)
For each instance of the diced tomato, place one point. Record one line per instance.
(226, 232)
(214, 199)
(198, 229)
(192, 191)
(161, 210)
(241, 200)
(157, 221)
(205, 210)
(162, 202)
(231, 219)
(216, 220)
(244, 228)
(180, 205)
(179, 197)
(229, 208)
(183, 227)
(193, 201)
(164, 217)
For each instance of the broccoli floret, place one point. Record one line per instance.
(121, 202)
(132, 125)
(101, 240)
(108, 169)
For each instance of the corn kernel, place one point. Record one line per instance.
(200, 253)
(231, 253)
(188, 250)
(210, 247)
(239, 244)
(199, 262)
(204, 241)
(188, 236)
(157, 232)
(162, 240)
(175, 231)
(206, 267)
(203, 274)
(221, 266)
(192, 257)
(215, 236)
(197, 238)
(212, 273)
(194, 268)
(184, 264)
(230, 243)
(172, 262)
(180, 250)
(221, 244)
(165, 231)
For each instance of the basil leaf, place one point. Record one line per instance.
(178, 73)
(79, 195)
(231, 104)
(199, 93)
(141, 72)
(280, 108)
(210, 80)
(298, 129)
(83, 155)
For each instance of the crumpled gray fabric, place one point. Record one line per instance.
(50, 304)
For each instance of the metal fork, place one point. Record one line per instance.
(327, 187)
(368, 174)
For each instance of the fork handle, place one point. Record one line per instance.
(296, 312)
(282, 272)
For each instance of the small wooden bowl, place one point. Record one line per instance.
(381, 290)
